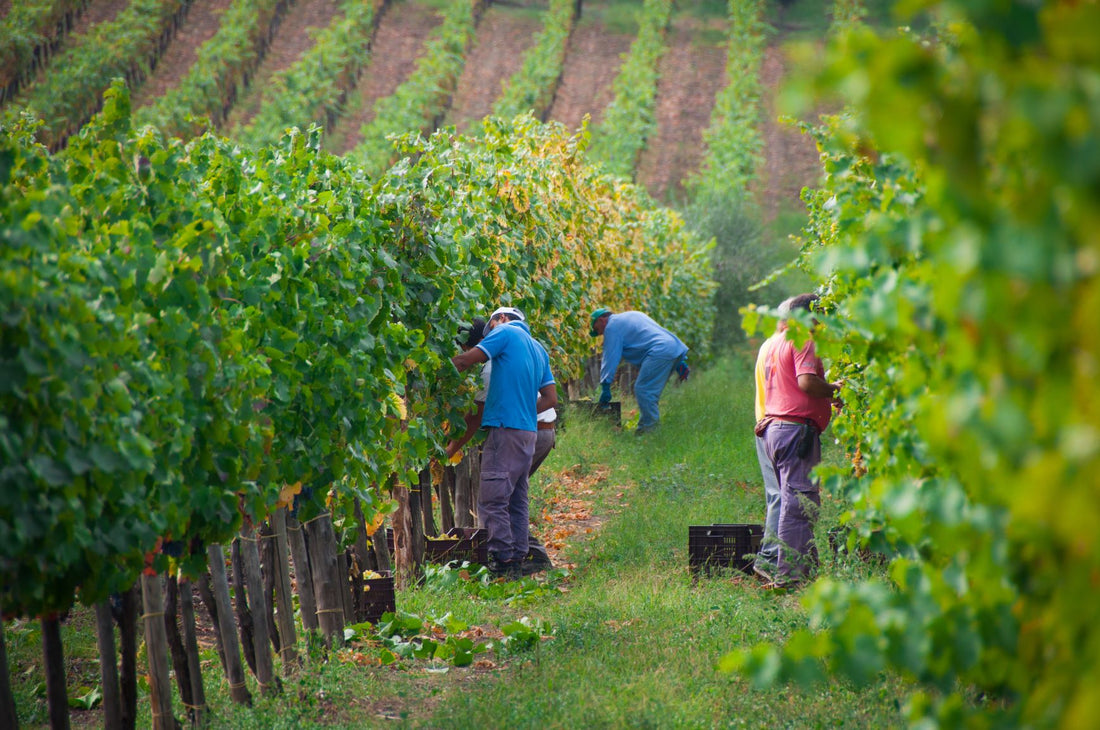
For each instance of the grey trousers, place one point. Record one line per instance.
(799, 498)
(544, 442)
(767, 559)
(502, 503)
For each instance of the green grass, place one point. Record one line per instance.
(634, 644)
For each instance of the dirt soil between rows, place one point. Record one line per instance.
(692, 73)
(293, 37)
(503, 36)
(591, 62)
(403, 28)
(203, 21)
(791, 160)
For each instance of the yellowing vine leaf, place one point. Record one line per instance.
(287, 493)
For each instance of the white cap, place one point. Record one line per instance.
(511, 311)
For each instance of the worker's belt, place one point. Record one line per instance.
(762, 424)
(790, 419)
(546, 425)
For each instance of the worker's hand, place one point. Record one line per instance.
(836, 401)
(605, 393)
(683, 370)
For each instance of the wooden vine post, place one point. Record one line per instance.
(327, 586)
(234, 670)
(427, 518)
(57, 700)
(127, 642)
(446, 499)
(284, 606)
(343, 573)
(418, 495)
(257, 607)
(175, 642)
(240, 604)
(303, 575)
(108, 666)
(8, 718)
(382, 556)
(197, 711)
(156, 647)
(267, 572)
(467, 486)
(363, 553)
(408, 535)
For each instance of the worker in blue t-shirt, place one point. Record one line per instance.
(521, 367)
(634, 337)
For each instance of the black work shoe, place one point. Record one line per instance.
(535, 564)
(507, 569)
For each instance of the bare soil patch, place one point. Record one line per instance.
(791, 158)
(591, 62)
(503, 36)
(203, 21)
(292, 38)
(692, 74)
(403, 28)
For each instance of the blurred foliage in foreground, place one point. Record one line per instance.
(957, 243)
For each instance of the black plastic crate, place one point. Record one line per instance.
(471, 545)
(374, 597)
(723, 546)
(461, 543)
(612, 411)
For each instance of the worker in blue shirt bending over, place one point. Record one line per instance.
(636, 338)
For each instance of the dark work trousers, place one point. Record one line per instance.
(800, 497)
(502, 504)
(544, 444)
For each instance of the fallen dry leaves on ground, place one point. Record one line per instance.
(568, 509)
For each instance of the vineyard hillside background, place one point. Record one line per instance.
(692, 71)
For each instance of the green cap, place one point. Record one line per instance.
(594, 316)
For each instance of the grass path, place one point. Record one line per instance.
(635, 643)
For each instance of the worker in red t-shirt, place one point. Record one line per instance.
(798, 403)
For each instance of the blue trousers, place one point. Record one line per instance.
(652, 376)
(502, 502)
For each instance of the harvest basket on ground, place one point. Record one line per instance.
(723, 546)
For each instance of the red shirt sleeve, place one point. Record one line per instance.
(806, 361)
